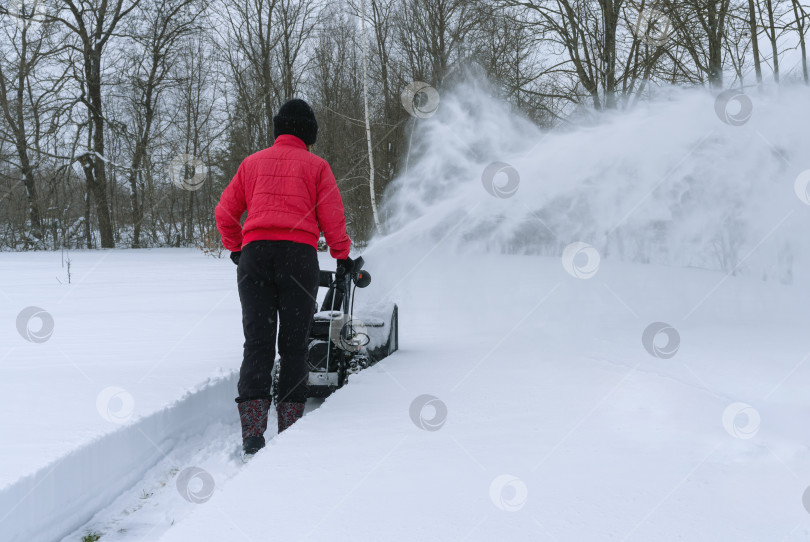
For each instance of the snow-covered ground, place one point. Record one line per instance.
(132, 333)
(151, 323)
(615, 350)
(554, 421)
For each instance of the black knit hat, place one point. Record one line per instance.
(296, 118)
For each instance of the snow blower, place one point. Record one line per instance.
(342, 343)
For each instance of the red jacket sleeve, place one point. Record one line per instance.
(331, 216)
(229, 212)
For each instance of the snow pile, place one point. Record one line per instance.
(687, 180)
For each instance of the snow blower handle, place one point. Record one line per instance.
(348, 270)
(348, 267)
(360, 276)
(345, 267)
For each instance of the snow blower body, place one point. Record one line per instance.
(342, 343)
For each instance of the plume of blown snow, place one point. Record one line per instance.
(669, 181)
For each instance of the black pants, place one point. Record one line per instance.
(278, 282)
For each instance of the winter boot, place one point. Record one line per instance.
(253, 415)
(288, 414)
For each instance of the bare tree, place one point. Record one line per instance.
(196, 103)
(164, 24)
(772, 31)
(26, 50)
(431, 33)
(509, 52)
(701, 28)
(367, 119)
(801, 21)
(385, 81)
(752, 26)
(297, 21)
(336, 89)
(124, 86)
(603, 55)
(94, 22)
(738, 41)
(266, 45)
(252, 37)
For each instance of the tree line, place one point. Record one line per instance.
(121, 121)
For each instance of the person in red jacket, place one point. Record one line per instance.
(290, 196)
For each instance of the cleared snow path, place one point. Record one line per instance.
(138, 355)
(188, 474)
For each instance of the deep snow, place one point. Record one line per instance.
(154, 324)
(559, 424)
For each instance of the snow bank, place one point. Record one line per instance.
(62, 496)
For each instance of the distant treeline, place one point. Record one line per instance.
(121, 121)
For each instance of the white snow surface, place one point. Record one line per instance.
(559, 424)
(523, 403)
(154, 323)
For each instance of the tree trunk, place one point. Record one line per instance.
(715, 45)
(31, 191)
(16, 121)
(137, 207)
(798, 11)
(772, 37)
(98, 181)
(94, 24)
(752, 23)
(88, 233)
(368, 124)
(139, 156)
(610, 18)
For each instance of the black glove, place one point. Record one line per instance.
(235, 257)
(345, 267)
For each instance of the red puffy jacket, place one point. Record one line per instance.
(290, 195)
